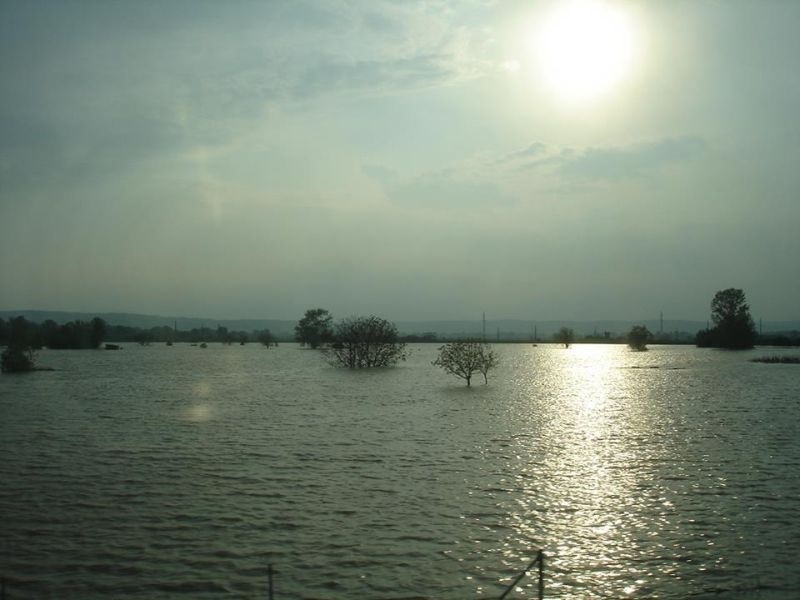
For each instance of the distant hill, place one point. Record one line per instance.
(509, 329)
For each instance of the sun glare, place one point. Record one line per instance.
(585, 48)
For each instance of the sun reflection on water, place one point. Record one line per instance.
(579, 492)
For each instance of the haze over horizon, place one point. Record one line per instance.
(424, 160)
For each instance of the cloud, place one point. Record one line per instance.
(614, 163)
(605, 162)
(532, 150)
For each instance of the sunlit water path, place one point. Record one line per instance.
(181, 472)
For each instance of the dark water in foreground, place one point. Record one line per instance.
(182, 472)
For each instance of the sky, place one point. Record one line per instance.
(416, 159)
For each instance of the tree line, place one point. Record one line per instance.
(355, 342)
(91, 334)
(71, 335)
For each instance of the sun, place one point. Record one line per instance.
(585, 49)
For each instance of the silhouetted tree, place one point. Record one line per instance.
(638, 337)
(48, 332)
(98, 332)
(734, 328)
(465, 358)
(314, 328)
(266, 338)
(18, 356)
(565, 336)
(224, 336)
(73, 335)
(366, 342)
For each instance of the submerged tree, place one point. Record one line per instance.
(734, 328)
(266, 338)
(314, 328)
(18, 356)
(366, 342)
(464, 359)
(565, 336)
(638, 337)
(97, 333)
(17, 359)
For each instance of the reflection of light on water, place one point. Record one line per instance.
(200, 410)
(198, 413)
(593, 462)
(580, 496)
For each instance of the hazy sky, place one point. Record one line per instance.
(413, 159)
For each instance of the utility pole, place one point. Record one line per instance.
(484, 327)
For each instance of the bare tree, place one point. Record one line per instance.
(464, 359)
(366, 342)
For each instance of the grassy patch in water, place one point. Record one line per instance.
(787, 360)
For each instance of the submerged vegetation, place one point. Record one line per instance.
(565, 336)
(266, 338)
(366, 342)
(464, 359)
(314, 329)
(786, 360)
(18, 357)
(638, 337)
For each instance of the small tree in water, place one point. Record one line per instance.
(464, 359)
(266, 338)
(18, 357)
(366, 342)
(638, 337)
(565, 336)
(314, 329)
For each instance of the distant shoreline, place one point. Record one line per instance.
(496, 330)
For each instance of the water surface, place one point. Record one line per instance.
(162, 472)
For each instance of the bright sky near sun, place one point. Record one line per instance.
(428, 159)
(585, 48)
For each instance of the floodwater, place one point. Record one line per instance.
(158, 472)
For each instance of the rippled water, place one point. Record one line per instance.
(181, 472)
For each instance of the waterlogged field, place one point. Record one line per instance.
(184, 472)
